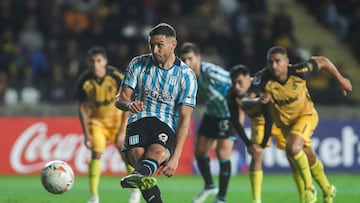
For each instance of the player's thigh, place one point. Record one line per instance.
(113, 136)
(257, 133)
(304, 127)
(99, 139)
(203, 145)
(134, 154)
(113, 127)
(279, 137)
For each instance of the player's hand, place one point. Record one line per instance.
(345, 85)
(88, 142)
(136, 107)
(265, 98)
(170, 167)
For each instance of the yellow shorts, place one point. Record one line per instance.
(101, 135)
(257, 135)
(303, 127)
(279, 137)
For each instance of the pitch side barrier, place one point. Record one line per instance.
(29, 142)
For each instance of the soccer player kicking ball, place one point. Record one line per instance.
(160, 92)
(294, 113)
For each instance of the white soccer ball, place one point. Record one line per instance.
(57, 177)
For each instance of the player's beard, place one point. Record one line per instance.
(161, 59)
(275, 74)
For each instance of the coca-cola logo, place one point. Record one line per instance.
(34, 147)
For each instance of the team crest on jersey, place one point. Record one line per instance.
(256, 80)
(172, 80)
(134, 139)
(163, 137)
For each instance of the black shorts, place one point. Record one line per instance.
(218, 128)
(148, 131)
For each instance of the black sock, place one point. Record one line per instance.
(152, 195)
(204, 168)
(224, 177)
(146, 167)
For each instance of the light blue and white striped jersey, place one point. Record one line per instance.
(214, 83)
(162, 90)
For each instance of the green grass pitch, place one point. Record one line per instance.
(277, 188)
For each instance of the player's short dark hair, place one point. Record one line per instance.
(96, 50)
(239, 69)
(163, 29)
(189, 47)
(277, 50)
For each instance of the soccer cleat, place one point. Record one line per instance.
(135, 180)
(218, 200)
(135, 196)
(256, 201)
(310, 196)
(204, 194)
(93, 199)
(329, 198)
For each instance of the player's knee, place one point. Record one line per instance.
(294, 145)
(96, 155)
(293, 149)
(200, 152)
(157, 152)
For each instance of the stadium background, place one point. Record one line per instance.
(43, 45)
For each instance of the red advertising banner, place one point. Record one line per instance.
(29, 142)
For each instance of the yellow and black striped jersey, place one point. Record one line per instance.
(290, 99)
(100, 95)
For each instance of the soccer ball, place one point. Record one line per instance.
(57, 177)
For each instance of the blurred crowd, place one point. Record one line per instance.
(43, 43)
(342, 17)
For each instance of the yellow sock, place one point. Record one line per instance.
(129, 168)
(302, 165)
(317, 171)
(299, 183)
(94, 176)
(256, 178)
(298, 179)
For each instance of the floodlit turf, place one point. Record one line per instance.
(277, 188)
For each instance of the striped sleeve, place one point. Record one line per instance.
(130, 79)
(189, 87)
